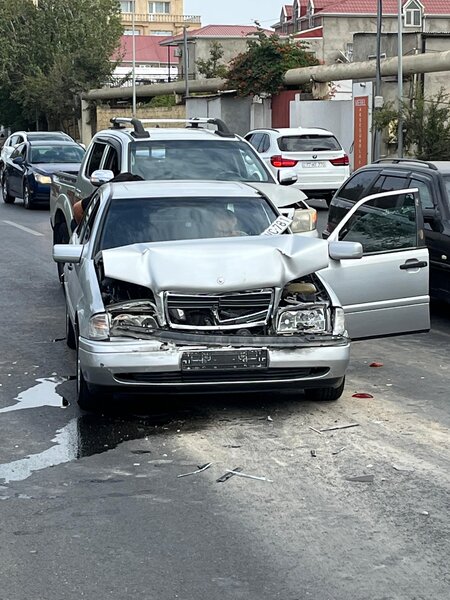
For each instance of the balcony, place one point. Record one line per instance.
(161, 18)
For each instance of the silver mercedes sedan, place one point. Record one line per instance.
(201, 286)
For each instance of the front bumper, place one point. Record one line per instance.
(141, 365)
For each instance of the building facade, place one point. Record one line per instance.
(151, 17)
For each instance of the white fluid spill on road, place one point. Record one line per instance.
(42, 394)
(66, 449)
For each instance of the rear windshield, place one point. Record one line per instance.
(447, 187)
(211, 160)
(56, 154)
(45, 137)
(308, 143)
(137, 220)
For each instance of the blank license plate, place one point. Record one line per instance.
(224, 360)
(314, 164)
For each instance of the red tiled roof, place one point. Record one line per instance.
(369, 7)
(316, 32)
(219, 31)
(148, 49)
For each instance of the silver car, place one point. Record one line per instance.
(195, 286)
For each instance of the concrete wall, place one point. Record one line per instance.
(105, 113)
(231, 109)
(200, 50)
(433, 82)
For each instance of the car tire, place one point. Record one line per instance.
(326, 394)
(71, 338)
(88, 397)
(61, 237)
(26, 197)
(7, 198)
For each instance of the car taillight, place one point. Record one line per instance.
(280, 162)
(340, 162)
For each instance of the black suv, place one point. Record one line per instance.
(433, 182)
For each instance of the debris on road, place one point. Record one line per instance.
(361, 478)
(313, 453)
(200, 469)
(425, 512)
(362, 395)
(269, 418)
(316, 430)
(403, 469)
(240, 474)
(335, 427)
(376, 365)
(229, 474)
(339, 450)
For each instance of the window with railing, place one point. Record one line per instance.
(159, 8)
(126, 6)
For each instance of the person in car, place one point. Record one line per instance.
(80, 206)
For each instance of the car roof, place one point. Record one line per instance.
(166, 133)
(55, 142)
(181, 188)
(286, 131)
(442, 165)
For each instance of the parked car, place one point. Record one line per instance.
(19, 137)
(201, 286)
(28, 171)
(432, 179)
(191, 153)
(315, 154)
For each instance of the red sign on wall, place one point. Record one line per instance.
(361, 131)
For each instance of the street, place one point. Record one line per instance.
(92, 505)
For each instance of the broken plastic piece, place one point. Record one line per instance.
(229, 474)
(362, 395)
(316, 430)
(313, 453)
(240, 474)
(338, 451)
(361, 478)
(376, 365)
(403, 469)
(339, 427)
(269, 418)
(199, 470)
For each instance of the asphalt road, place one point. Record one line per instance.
(91, 505)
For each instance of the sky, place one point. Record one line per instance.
(235, 12)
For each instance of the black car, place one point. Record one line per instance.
(28, 171)
(433, 182)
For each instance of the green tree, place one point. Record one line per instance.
(262, 67)
(212, 67)
(50, 51)
(426, 125)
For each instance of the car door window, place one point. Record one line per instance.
(95, 158)
(19, 151)
(424, 187)
(264, 144)
(255, 140)
(111, 161)
(383, 225)
(85, 226)
(16, 139)
(354, 188)
(389, 183)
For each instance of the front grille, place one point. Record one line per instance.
(178, 377)
(219, 311)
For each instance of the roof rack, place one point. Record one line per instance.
(394, 160)
(265, 129)
(139, 131)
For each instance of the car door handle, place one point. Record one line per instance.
(414, 264)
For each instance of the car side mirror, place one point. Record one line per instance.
(67, 253)
(287, 176)
(430, 215)
(101, 176)
(19, 160)
(345, 250)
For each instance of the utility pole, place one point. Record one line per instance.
(185, 62)
(400, 81)
(133, 76)
(377, 136)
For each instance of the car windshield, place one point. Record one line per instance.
(212, 160)
(137, 220)
(308, 143)
(447, 186)
(56, 154)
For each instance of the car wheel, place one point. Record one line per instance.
(88, 397)
(61, 237)
(71, 339)
(326, 393)
(7, 198)
(26, 197)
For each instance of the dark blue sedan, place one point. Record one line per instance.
(28, 171)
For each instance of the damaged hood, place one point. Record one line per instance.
(217, 265)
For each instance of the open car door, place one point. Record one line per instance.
(386, 291)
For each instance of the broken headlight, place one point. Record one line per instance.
(338, 321)
(99, 327)
(131, 320)
(304, 318)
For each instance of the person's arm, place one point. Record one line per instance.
(78, 211)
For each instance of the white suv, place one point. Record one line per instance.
(315, 154)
